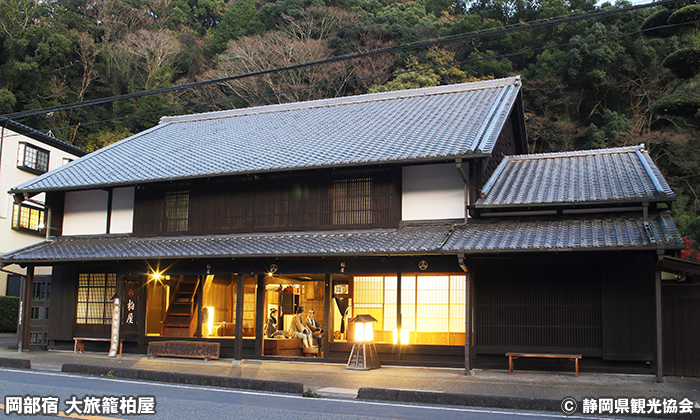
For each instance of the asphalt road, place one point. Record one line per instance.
(175, 401)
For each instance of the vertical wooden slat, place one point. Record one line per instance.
(516, 306)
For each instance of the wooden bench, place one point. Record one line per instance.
(282, 347)
(572, 357)
(79, 346)
(192, 349)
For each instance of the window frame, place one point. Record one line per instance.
(38, 164)
(95, 294)
(17, 219)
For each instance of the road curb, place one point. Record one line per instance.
(15, 363)
(486, 401)
(186, 378)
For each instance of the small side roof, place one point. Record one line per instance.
(414, 125)
(41, 137)
(616, 175)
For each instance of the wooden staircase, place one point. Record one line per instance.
(179, 317)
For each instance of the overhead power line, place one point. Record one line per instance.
(388, 50)
(377, 76)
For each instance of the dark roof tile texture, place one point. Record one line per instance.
(411, 125)
(595, 176)
(581, 234)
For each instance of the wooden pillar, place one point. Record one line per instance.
(259, 315)
(24, 318)
(468, 325)
(200, 297)
(238, 341)
(328, 295)
(659, 341)
(398, 301)
(398, 313)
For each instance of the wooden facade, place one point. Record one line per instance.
(681, 326)
(308, 200)
(591, 305)
(599, 306)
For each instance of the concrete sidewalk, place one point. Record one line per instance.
(491, 388)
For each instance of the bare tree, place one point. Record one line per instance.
(149, 53)
(272, 50)
(318, 22)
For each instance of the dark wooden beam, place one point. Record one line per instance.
(468, 324)
(259, 315)
(25, 310)
(238, 341)
(328, 295)
(200, 298)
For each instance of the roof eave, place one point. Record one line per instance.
(573, 204)
(433, 159)
(649, 247)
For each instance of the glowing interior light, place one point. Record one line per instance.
(210, 319)
(400, 336)
(404, 335)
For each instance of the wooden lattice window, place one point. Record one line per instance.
(95, 292)
(177, 211)
(28, 219)
(352, 201)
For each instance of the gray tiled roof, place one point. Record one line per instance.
(583, 234)
(594, 176)
(411, 125)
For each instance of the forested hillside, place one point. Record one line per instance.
(621, 79)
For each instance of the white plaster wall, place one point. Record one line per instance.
(122, 210)
(85, 212)
(11, 176)
(432, 192)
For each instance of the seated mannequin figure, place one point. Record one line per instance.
(315, 327)
(298, 329)
(271, 326)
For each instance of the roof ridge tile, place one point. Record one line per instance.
(348, 100)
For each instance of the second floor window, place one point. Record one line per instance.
(28, 218)
(177, 211)
(32, 158)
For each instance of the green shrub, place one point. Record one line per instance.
(659, 18)
(683, 104)
(690, 13)
(684, 62)
(9, 309)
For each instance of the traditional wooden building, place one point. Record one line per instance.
(416, 207)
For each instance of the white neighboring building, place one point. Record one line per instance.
(24, 154)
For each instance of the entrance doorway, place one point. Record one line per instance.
(286, 297)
